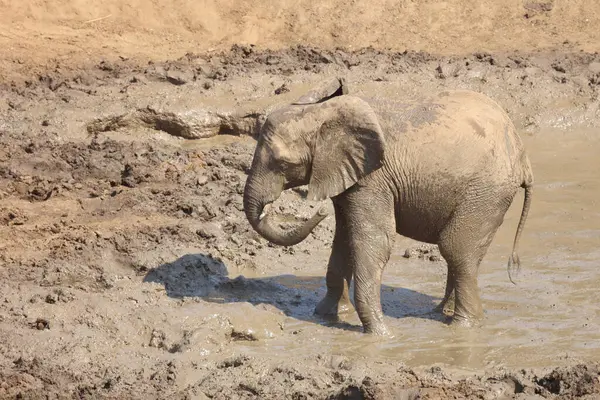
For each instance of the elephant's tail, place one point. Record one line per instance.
(514, 263)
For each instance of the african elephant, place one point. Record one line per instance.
(442, 169)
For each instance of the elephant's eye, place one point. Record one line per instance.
(283, 163)
(284, 158)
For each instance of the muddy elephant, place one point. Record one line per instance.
(442, 169)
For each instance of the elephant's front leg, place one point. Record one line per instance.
(339, 272)
(368, 267)
(371, 233)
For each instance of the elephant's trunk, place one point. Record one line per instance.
(255, 206)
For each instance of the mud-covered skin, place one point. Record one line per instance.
(442, 170)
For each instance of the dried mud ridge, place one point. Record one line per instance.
(332, 378)
(187, 124)
(107, 232)
(243, 60)
(347, 380)
(527, 85)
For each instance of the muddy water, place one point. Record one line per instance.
(551, 317)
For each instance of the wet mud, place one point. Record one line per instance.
(128, 269)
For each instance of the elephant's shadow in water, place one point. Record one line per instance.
(202, 276)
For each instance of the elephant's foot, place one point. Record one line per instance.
(464, 322)
(446, 307)
(330, 306)
(379, 329)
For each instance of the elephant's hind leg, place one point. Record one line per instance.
(339, 272)
(446, 306)
(463, 244)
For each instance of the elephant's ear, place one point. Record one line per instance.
(326, 91)
(348, 146)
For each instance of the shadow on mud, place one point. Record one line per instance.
(200, 275)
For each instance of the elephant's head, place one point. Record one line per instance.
(326, 139)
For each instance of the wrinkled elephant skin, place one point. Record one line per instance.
(442, 169)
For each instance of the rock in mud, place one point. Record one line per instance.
(51, 298)
(127, 177)
(179, 77)
(282, 89)
(41, 324)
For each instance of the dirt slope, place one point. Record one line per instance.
(38, 33)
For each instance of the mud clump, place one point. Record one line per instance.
(369, 390)
(12, 217)
(574, 382)
(427, 252)
(40, 324)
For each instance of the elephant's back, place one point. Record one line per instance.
(459, 134)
